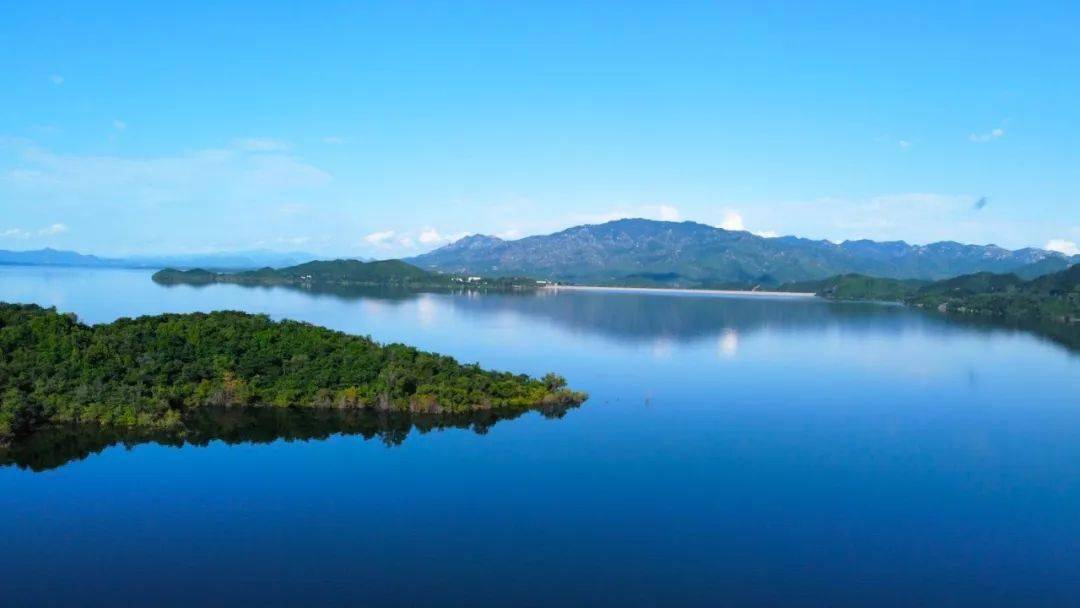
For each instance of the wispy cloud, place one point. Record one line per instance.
(118, 124)
(260, 144)
(14, 233)
(21, 234)
(125, 204)
(52, 230)
(982, 138)
(902, 143)
(210, 176)
(56, 79)
(410, 241)
(333, 140)
(916, 217)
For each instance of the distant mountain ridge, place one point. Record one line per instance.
(52, 257)
(689, 254)
(237, 260)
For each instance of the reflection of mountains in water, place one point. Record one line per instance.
(54, 447)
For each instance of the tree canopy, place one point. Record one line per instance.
(151, 371)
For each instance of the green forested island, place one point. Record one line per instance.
(341, 273)
(1051, 297)
(151, 372)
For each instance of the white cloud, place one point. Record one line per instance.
(732, 220)
(54, 229)
(1062, 246)
(669, 213)
(394, 240)
(57, 79)
(19, 233)
(119, 125)
(380, 239)
(430, 235)
(260, 144)
(981, 138)
(902, 143)
(15, 233)
(768, 234)
(508, 234)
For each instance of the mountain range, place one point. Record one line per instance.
(237, 260)
(688, 254)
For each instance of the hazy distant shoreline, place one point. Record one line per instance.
(723, 292)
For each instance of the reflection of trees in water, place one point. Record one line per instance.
(342, 293)
(646, 317)
(1065, 334)
(54, 447)
(637, 317)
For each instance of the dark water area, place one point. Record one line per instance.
(734, 451)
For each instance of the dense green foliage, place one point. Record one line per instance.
(1051, 297)
(339, 273)
(354, 272)
(149, 371)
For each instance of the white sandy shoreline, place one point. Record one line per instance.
(721, 292)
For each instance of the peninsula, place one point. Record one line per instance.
(1051, 297)
(342, 273)
(154, 371)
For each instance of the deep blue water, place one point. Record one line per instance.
(733, 451)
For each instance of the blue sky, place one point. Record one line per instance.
(387, 129)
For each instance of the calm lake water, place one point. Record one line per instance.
(734, 450)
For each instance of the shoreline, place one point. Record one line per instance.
(686, 290)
